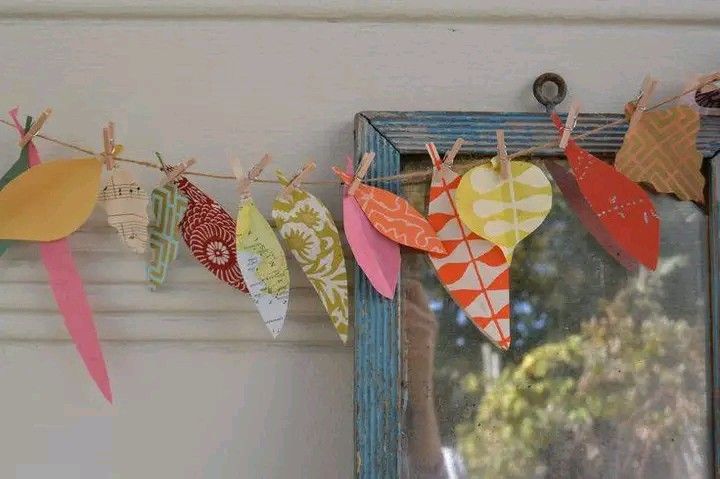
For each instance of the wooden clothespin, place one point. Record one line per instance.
(570, 123)
(502, 155)
(298, 177)
(648, 87)
(35, 127)
(109, 146)
(362, 170)
(705, 83)
(452, 152)
(245, 180)
(176, 171)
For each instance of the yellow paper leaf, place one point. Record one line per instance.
(504, 211)
(49, 201)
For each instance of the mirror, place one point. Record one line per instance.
(606, 373)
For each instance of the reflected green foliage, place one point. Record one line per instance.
(622, 398)
(605, 377)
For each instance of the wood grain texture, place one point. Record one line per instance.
(713, 345)
(377, 342)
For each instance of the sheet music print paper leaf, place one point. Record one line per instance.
(394, 217)
(18, 167)
(623, 207)
(474, 271)
(660, 150)
(168, 208)
(49, 201)
(126, 206)
(309, 231)
(377, 255)
(262, 262)
(504, 211)
(209, 232)
(574, 198)
(69, 292)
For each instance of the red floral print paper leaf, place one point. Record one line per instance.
(209, 232)
(623, 207)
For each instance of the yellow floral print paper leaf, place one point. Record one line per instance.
(49, 201)
(504, 211)
(262, 263)
(661, 151)
(308, 229)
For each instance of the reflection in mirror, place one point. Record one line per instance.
(606, 374)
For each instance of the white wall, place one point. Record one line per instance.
(201, 390)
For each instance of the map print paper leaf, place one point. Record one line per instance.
(504, 211)
(307, 228)
(377, 255)
(660, 150)
(623, 207)
(49, 201)
(168, 208)
(394, 217)
(69, 292)
(474, 271)
(575, 199)
(209, 232)
(262, 262)
(18, 167)
(126, 206)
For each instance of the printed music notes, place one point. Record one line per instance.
(126, 206)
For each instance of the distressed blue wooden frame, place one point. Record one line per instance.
(379, 393)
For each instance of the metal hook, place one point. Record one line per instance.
(539, 83)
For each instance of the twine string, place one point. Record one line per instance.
(409, 177)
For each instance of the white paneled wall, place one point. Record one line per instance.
(201, 389)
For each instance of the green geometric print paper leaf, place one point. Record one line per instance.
(168, 208)
(309, 231)
(504, 211)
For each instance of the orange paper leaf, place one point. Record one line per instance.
(660, 150)
(393, 216)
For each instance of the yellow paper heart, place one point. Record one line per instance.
(49, 201)
(504, 211)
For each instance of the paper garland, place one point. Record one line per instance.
(660, 150)
(262, 262)
(168, 209)
(575, 199)
(15, 170)
(69, 292)
(209, 232)
(126, 203)
(308, 229)
(474, 271)
(50, 201)
(504, 211)
(624, 208)
(376, 255)
(394, 217)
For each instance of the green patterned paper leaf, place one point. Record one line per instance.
(309, 231)
(168, 207)
(15, 170)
